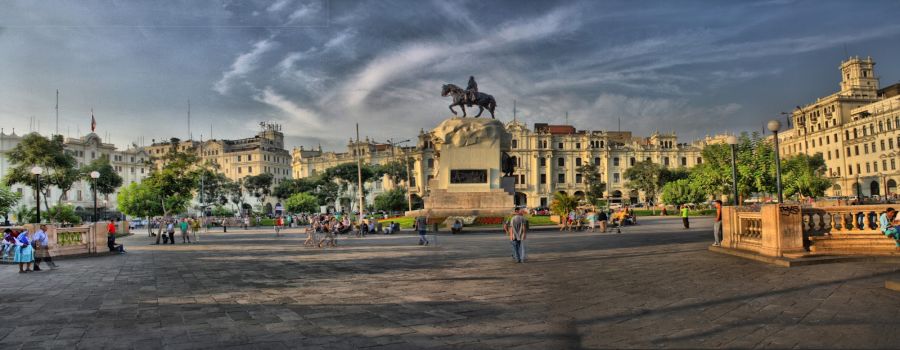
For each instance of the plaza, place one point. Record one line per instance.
(655, 285)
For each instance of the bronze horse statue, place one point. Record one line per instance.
(483, 100)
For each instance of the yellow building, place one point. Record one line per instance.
(547, 159)
(263, 153)
(855, 129)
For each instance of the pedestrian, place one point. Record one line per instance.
(421, 227)
(279, 224)
(684, 217)
(517, 232)
(592, 220)
(42, 249)
(195, 229)
(310, 236)
(184, 226)
(24, 252)
(717, 225)
(169, 235)
(885, 224)
(8, 244)
(602, 218)
(246, 223)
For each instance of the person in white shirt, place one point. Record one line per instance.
(42, 249)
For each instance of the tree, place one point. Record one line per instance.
(346, 176)
(393, 200)
(63, 213)
(396, 170)
(173, 183)
(804, 176)
(140, 200)
(302, 203)
(289, 187)
(234, 190)
(682, 191)
(8, 200)
(593, 181)
(36, 150)
(214, 186)
(260, 186)
(755, 167)
(563, 203)
(25, 214)
(644, 176)
(108, 181)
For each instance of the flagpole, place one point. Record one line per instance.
(57, 111)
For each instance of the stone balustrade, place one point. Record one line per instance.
(73, 241)
(779, 230)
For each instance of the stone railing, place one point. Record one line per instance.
(69, 241)
(823, 221)
(771, 230)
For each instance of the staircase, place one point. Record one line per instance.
(853, 243)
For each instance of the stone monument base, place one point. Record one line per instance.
(441, 203)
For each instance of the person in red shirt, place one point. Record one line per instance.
(111, 238)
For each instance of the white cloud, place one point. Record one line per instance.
(243, 64)
(278, 5)
(305, 121)
(306, 12)
(405, 61)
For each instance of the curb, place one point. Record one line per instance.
(804, 261)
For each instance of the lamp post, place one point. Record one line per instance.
(94, 176)
(774, 126)
(732, 141)
(858, 190)
(37, 171)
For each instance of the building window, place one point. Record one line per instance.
(666, 161)
(522, 179)
(543, 179)
(858, 168)
(578, 178)
(578, 145)
(893, 164)
(515, 143)
(868, 168)
(239, 158)
(683, 161)
(631, 161)
(430, 163)
(597, 161)
(561, 178)
(560, 161)
(615, 178)
(882, 145)
(578, 161)
(239, 170)
(883, 164)
(849, 170)
(699, 160)
(856, 149)
(543, 161)
(249, 157)
(559, 145)
(866, 148)
(616, 161)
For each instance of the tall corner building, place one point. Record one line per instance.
(857, 131)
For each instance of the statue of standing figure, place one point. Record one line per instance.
(470, 96)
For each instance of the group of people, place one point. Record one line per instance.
(581, 220)
(27, 251)
(187, 226)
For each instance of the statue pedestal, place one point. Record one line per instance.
(469, 181)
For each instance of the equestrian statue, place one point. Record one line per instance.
(470, 96)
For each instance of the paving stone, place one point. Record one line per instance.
(653, 286)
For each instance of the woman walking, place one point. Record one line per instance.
(24, 252)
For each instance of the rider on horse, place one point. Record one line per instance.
(471, 91)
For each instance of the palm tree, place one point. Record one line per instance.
(562, 204)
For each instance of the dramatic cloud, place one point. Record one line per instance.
(320, 66)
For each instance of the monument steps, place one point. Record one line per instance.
(852, 242)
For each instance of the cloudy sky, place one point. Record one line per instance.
(320, 66)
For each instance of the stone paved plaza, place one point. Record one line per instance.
(652, 286)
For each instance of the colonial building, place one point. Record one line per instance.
(263, 153)
(130, 164)
(547, 159)
(857, 131)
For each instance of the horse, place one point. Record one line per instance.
(483, 100)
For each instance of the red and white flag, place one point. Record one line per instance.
(93, 121)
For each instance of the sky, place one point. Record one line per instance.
(318, 67)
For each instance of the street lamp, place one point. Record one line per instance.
(732, 141)
(37, 171)
(858, 190)
(94, 176)
(774, 126)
